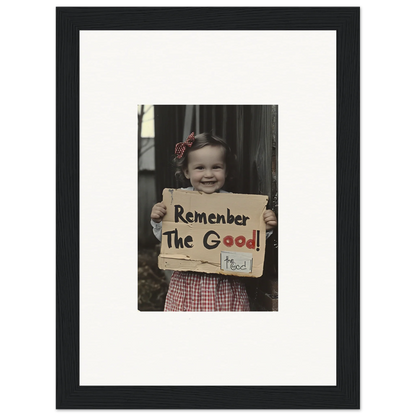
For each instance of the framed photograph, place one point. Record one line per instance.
(282, 85)
(248, 134)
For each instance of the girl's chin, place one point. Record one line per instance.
(207, 189)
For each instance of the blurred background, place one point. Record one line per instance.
(251, 132)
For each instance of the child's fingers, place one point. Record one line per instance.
(155, 214)
(161, 209)
(269, 215)
(158, 211)
(270, 219)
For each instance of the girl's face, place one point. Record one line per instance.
(206, 169)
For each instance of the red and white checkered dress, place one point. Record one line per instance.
(201, 292)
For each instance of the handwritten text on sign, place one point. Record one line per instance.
(200, 230)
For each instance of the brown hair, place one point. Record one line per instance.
(202, 140)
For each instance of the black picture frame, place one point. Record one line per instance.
(346, 394)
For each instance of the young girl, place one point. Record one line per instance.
(206, 162)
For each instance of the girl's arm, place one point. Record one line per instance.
(157, 229)
(156, 217)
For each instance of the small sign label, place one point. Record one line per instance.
(236, 262)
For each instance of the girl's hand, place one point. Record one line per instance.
(158, 212)
(270, 219)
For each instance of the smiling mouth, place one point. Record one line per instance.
(208, 183)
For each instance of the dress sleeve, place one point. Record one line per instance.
(157, 229)
(268, 233)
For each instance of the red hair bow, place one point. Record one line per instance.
(181, 147)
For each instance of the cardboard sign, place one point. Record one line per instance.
(213, 233)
